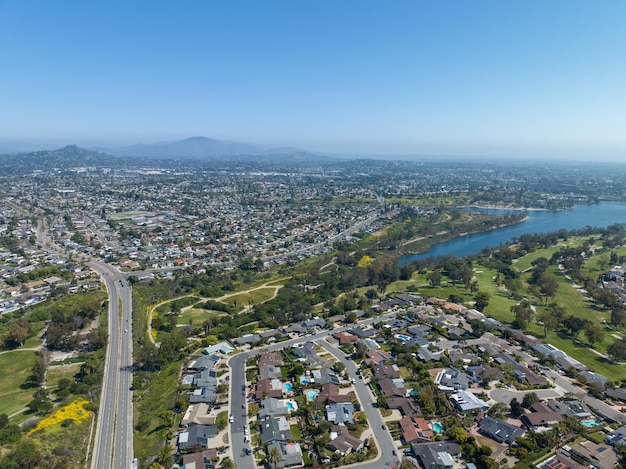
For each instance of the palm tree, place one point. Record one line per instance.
(227, 463)
(274, 456)
(165, 457)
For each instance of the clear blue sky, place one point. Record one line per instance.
(512, 78)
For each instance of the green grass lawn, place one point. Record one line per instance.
(33, 342)
(574, 301)
(14, 370)
(295, 432)
(254, 297)
(57, 373)
(526, 262)
(197, 315)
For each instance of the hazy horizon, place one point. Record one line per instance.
(535, 80)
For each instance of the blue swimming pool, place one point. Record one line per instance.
(403, 337)
(311, 394)
(437, 427)
(304, 380)
(591, 423)
(290, 406)
(288, 387)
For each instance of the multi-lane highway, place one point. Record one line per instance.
(113, 445)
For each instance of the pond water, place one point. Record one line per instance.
(601, 215)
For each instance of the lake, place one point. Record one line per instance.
(602, 215)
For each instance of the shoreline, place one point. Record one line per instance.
(497, 227)
(496, 207)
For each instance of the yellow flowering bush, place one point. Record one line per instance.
(75, 411)
(365, 260)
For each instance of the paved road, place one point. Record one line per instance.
(383, 438)
(237, 366)
(507, 395)
(560, 382)
(113, 445)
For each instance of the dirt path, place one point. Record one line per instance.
(151, 310)
(33, 349)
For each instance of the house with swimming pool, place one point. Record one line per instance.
(272, 407)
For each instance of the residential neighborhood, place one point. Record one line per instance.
(301, 404)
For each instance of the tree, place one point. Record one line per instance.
(529, 400)
(165, 457)
(594, 333)
(434, 278)
(481, 301)
(499, 411)
(523, 315)
(41, 403)
(228, 463)
(548, 286)
(459, 434)
(618, 315)
(360, 349)
(371, 294)
(617, 350)
(516, 408)
(574, 324)
(274, 456)
(548, 320)
(478, 327)
(18, 333)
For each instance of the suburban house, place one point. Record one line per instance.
(205, 394)
(407, 406)
(290, 453)
(561, 461)
(341, 441)
(275, 429)
(499, 430)
(376, 357)
(267, 371)
(324, 376)
(392, 387)
(270, 358)
(573, 408)
(196, 435)
(268, 388)
(197, 414)
(330, 394)
(437, 455)
(415, 430)
(272, 407)
(466, 401)
(340, 413)
(617, 437)
(200, 460)
(452, 379)
(541, 416)
(597, 455)
(344, 338)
